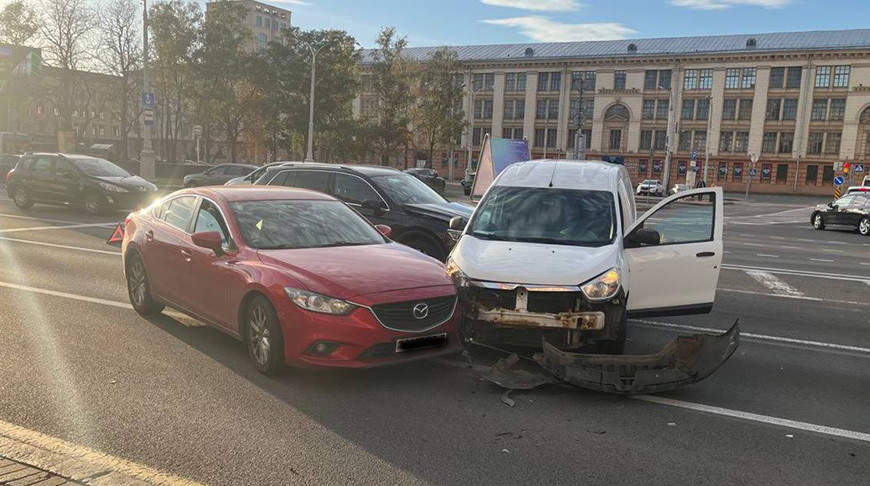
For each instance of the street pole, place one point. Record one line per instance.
(310, 155)
(470, 141)
(675, 81)
(146, 157)
(579, 137)
(707, 145)
(753, 158)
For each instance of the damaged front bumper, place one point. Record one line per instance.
(685, 360)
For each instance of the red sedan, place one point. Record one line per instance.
(297, 275)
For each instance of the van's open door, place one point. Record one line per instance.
(677, 272)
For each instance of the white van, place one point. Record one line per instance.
(554, 250)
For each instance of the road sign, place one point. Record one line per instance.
(694, 156)
(148, 117)
(838, 181)
(753, 172)
(695, 168)
(838, 166)
(859, 168)
(149, 100)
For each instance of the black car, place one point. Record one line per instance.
(418, 216)
(430, 178)
(218, 175)
(467, 183)
(850, 210)
(92, 183)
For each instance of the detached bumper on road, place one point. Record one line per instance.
(685, 360)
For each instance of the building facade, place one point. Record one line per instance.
(266, 23)
(799, 103)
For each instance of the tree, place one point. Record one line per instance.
(439, 116)
(391, 82)
(18, 24)
(121, 56)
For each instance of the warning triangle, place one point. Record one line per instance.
(117, 235)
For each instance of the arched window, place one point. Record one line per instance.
(865, 117)
(617, 112)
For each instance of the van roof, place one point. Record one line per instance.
(569, 174)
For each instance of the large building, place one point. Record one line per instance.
(266, 22)
(799, 102)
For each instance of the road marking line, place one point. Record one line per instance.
(777, 237)
(836, 242)
(865, 264)
(801, 297)
(17, 216)
(790, 247)
(726, 252)
(754, 417)
(750, 244)
(800, 273)
(79, 462)
(766, 256)
(832, 251)
(48, 228)
(66, 247)
(774, 284)
(821, 260)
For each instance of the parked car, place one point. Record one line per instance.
(218, 175)
(418, 215)
(651, 186)
(251, 177)
(298, 276)
(850, 210)
(7, 162)
(555, 251)
(858, 189)
(92, 183)
(429, 177)
(467, 183)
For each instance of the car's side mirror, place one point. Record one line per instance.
(644, 237)
(211, 240)
(458, 223)
(831, 204)
(375, 205)
(384, 229)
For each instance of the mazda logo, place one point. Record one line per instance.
(421, 310)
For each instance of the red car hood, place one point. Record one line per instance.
(347, 272)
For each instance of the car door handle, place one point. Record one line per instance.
(706, 254)
(149, 235)
(187, 254)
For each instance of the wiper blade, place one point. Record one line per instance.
(340, 243)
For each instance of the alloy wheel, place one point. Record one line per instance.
(261, 342)
(864, 226)
(817, 221)
(137, 283)
(21, 197)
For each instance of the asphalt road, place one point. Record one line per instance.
(790, 407)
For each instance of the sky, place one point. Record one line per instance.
(464, 22)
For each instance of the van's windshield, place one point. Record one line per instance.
(546, 215)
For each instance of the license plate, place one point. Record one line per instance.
(421, 342)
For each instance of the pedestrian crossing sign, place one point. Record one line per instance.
(859, 168)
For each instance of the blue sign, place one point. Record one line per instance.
(859, 168)
(694, 155)
(838, 181)
(696, 168)
(753, 172)
(149, 100)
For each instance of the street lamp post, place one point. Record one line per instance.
(672, 125)
(309, 157)
(707, 144)
(579, 121)
(146, 157)
(471, 93)
(753, 158)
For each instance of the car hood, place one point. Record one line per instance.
(443, 212)
(533, 263)
(128, 182)
(347, 272)
(238, 181)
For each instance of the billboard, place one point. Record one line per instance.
(497, 154)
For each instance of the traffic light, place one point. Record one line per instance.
(846, 167)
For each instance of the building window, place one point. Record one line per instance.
(745, 111)
(732, 78)
(706, 80)
(700, 141)
(547, 109)
(487, 109)
(478, 134)
(749, 78)
(508, 110)
(685, 140)
(539, 137)
(814, 146)
(510, 81)
(832, 143)
(586, 105)
(478, 109)
(772, 113)
(789, 109)
(646, 139)
(820, 109)
(484, 81)
(587, 78)
(117, 132)
(572, 135)
(690, 81)
(551, 137)
(553, 110)
(786, 142)
(615, 139)
(261, 41)
(793, 78)
(703, 109)
(267, 23)
(649, 109)
(812, 173)
(549, 81)
(514, 109)
(741, 142)
(841, 76)
(661, 138)
(726, 140)
(662, 109)
(768, 144)
(664, 79)
(650, 79)
(729, 109)
(555, 81)
(828, 174)
(838, 109)
(781, 172)
(823, 76)
(259, 21)
(513, 133)
(688, 109)
(619, 80)
(777, 78)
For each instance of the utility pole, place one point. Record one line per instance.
(470, 141)
(707, 144)
(580, 121)
(669, 142)
(147, 159)
(309, 157)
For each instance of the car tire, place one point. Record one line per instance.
(138, 289)
(263, 336)
(616, 346)
(22, 198)
(864, 226)
(424, 245)
(95, 203)
(818, 221)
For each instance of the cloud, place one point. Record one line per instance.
(545, 5)
(723, 4)
(542, 29)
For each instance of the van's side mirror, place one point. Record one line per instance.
(643, 237)
(375, 205)
(458, 223)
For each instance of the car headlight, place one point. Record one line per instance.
(455, 273)
(112, 187)
(318, 303)
(602, 287)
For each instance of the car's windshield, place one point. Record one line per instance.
(98, 167)
(407, 189)
(283, 224)
(546, 215)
